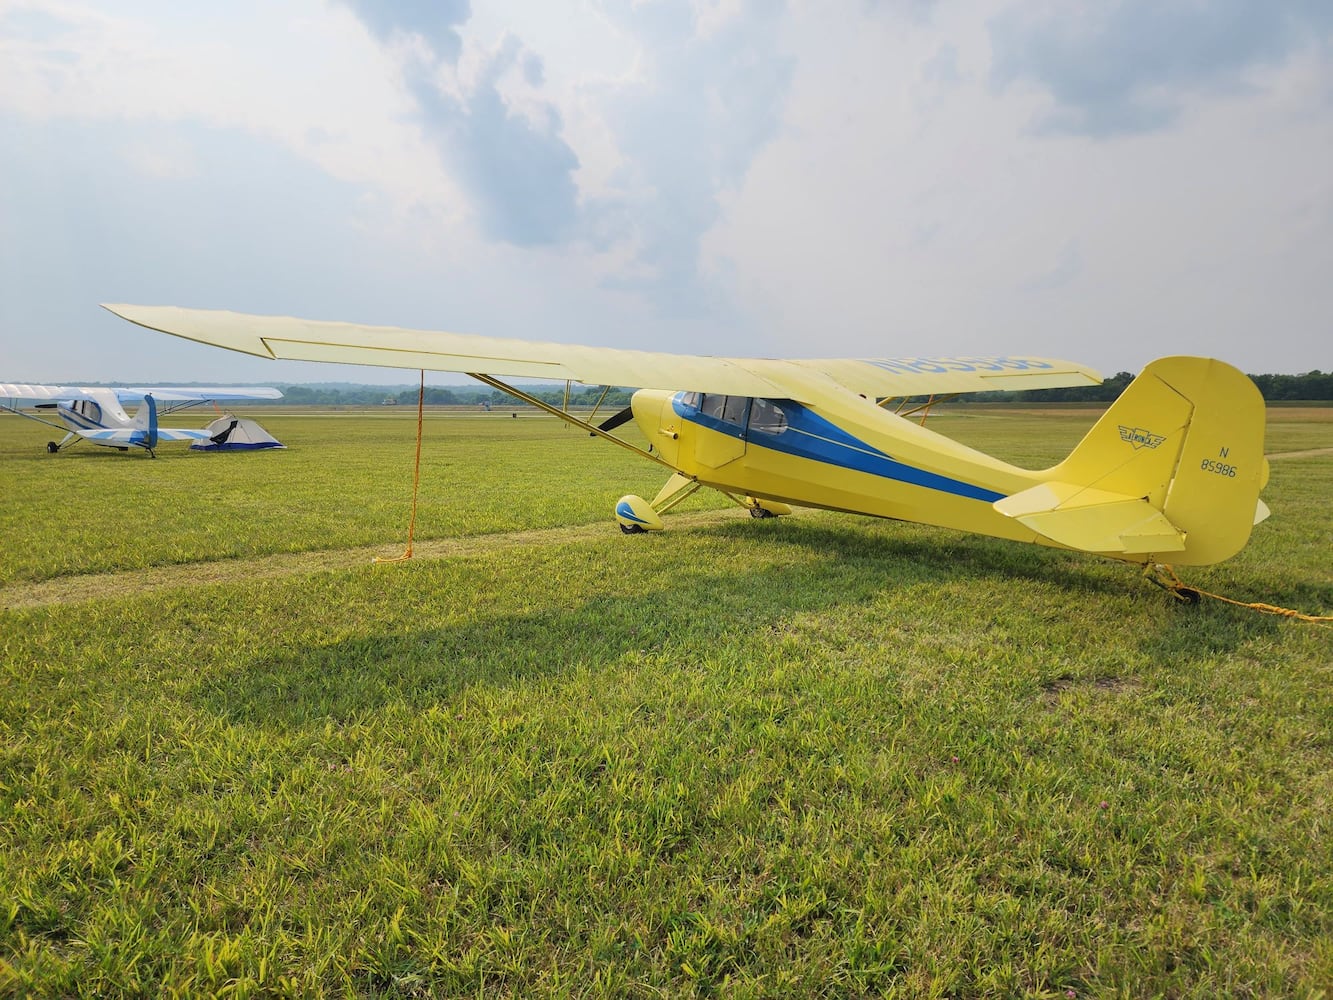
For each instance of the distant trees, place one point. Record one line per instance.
(1311, 385)
(1315, 386)
(371, 395)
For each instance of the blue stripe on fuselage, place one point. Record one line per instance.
(810, 436)
(78, 420)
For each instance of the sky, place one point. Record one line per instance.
(1105, 181)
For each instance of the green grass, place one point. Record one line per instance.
(815, 756)
(345, 480)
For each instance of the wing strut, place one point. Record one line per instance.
(416, 477)
(12, 406)
(903, 409)
(568, 417)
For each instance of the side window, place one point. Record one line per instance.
(734, 410)
(767, 417)
(691, 399)
(711, 406)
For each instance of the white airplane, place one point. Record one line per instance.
(97, 416)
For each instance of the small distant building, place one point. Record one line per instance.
(390, 401)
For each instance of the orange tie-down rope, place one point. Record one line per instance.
(1167, 578)
(416, 480)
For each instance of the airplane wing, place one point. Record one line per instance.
(16, 391)
(163, 394)
(201, 394)
(349, 343)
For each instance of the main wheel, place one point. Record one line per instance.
(631, 529)
(52, 447)
(760, 512)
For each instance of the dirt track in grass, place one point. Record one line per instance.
(1311, 453)
(135, 583)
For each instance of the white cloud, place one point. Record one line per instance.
(898, 211)
(706, 175)
(302, 75)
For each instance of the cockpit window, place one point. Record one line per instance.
(767, 417)
(734, 410)
(691, 399)
(712, 404)
(89, 409)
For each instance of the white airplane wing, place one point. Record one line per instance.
(163, 394)
(203, 394)
(394, 347)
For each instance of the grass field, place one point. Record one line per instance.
(814, 756)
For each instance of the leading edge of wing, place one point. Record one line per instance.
(287, 338)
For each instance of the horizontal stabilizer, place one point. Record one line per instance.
(1093, 520)
(127, 435)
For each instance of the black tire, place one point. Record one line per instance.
(1190, 597)
(631, 529)
(760, 512)
(52, 447)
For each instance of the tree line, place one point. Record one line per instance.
(458, 395)
(1315, 386)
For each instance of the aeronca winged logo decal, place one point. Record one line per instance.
(1140, 438)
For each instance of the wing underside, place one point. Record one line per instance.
(286, 338)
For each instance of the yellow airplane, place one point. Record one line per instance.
(1171, 472)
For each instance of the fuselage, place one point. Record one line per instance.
(102, 412)
(844, 454)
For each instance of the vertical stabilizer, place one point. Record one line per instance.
(145, 421)
(1171, 472)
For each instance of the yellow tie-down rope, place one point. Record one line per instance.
(1165, 577)
(416, 480)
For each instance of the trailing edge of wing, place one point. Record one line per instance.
(311, 340)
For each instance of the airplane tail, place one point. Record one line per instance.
(1170, 473)
(145, 421)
